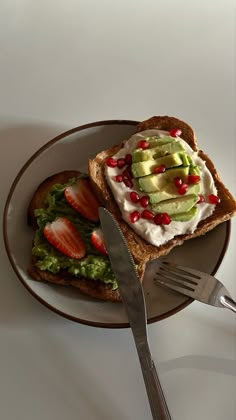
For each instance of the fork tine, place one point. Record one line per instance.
(173, 280)
(173, 286)
(176, 277)
(179, 279)
(190, 276)
(182, 270)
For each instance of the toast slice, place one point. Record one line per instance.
(141, 250)
(93, 288)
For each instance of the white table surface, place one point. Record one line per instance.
(66, 63)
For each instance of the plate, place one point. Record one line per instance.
(71, 150)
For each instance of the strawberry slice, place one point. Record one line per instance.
(98, 241)
(81, 197)
(62, 234)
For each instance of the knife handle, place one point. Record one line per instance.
(155, 393)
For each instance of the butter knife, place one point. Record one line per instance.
(133, 300)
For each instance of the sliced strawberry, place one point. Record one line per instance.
(62, 234)
(81, 197)
(98, 241)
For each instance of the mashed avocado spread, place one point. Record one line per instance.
(93, 266)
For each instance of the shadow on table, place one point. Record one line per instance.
(210, 363)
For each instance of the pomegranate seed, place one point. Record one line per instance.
(134, 216)
(166, 219)
(142, 144)
(178, 182)
(175, 132)
(128, 159)
(111, 162)
(213, 199)
(128, 182)
(127, 173)
(118, 178)
(182, 189)
(134, 197)
(193, 179)
(162, 219)
(201, 199)
(120, 163)
(147, 214)
(144, 201)
(158, 218)
(159, 169)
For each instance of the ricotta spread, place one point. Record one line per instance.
(148, 230)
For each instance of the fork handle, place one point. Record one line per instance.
(228, 303)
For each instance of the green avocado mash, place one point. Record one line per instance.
(93, 266)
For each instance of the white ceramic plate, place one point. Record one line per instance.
(71, 151)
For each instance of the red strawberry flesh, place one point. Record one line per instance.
(63, 235)
(98, 241)
(81, 197)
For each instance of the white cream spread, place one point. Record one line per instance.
(152, 233)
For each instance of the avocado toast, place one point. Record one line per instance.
(68, 248)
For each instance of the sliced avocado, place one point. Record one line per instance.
(190, 160)
(146, 167)
(184, 158)
(158, 141)
(140, 155)
(184, 217)
(194, 170)
(181, 172)
(152, 183)
(170, 191)
(176, 205)
(165, 149)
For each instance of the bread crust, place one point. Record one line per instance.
(141, 250)
(93, 288)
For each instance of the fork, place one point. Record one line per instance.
(193, 283)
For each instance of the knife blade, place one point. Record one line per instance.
(132, 296)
